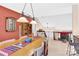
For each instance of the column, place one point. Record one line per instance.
(75, 19)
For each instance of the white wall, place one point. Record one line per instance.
(60, 22)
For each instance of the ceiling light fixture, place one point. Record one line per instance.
(33, 20)
(23, 19)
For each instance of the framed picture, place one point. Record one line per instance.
(10, 24)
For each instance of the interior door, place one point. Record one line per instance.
(26, 29)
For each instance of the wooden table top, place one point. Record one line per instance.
(25, 51)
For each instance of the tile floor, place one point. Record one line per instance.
(57, 48)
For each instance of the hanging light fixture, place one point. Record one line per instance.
(23, 19)
(33, 20)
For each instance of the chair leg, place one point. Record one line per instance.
(71, 51)
(67, 52)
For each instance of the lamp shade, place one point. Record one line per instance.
(33, 22)
(22, 20)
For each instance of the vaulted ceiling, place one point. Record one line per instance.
(41, 9)
(55, 14)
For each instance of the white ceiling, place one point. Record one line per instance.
(41, 9)
(57, 15)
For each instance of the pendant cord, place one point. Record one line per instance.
(23, 9)
(32, 11)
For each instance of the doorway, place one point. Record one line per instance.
(26, 29)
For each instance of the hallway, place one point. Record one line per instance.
(57, 48)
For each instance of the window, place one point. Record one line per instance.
(10, 24)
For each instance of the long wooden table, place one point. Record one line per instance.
(25, 51)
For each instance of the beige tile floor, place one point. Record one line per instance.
(57, 48)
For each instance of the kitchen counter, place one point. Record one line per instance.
(26, 50)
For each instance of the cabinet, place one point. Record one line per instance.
(26, 29)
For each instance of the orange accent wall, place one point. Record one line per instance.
(5, 12)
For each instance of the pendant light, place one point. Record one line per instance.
(23, 19)
(33, 20)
